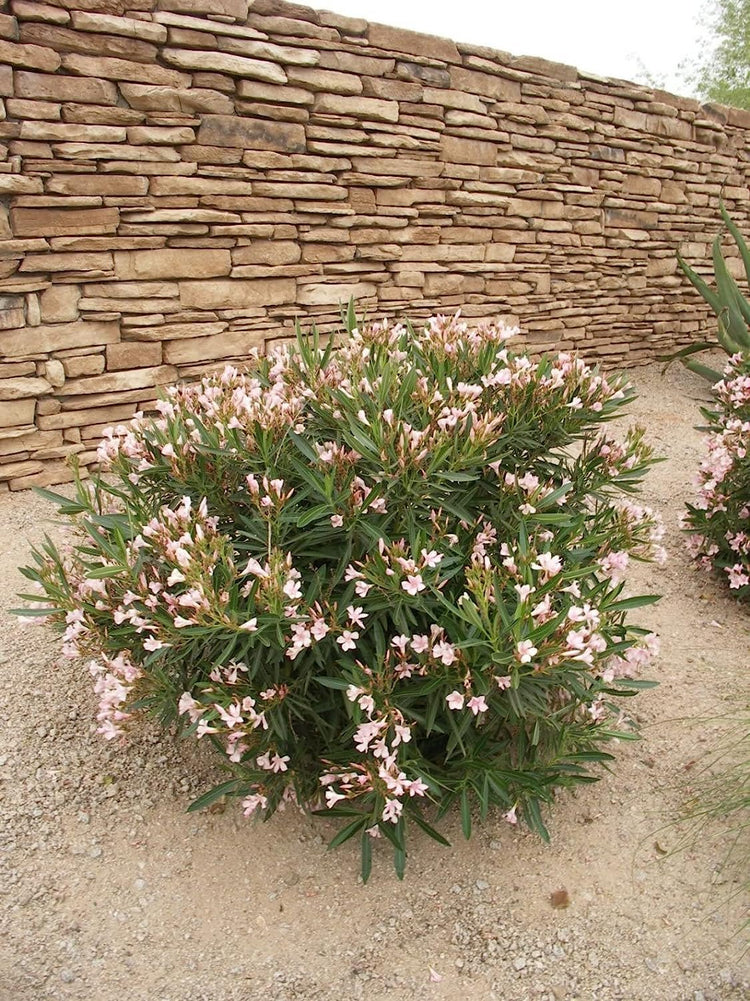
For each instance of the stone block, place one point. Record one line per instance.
(64, 88)
(65, 40)
(486, 84)
(357, 107)
(46, 339)
(206, 187)
(456, 150)
(135, 265)
(235, 9)
(251, 133)
(92, 364)
(146, 97)
(17, 413)
(94, 262)
(328, 81)
(63, 222)
(54, 373)
(254, 90)
(413, 43)
(673, 193)
(237, 293)
(35, 57)
(70, 132)
(32, 10)
(173, 331)
(130, 27)
(97, 184)
(325, 294)
(224, 62)
(118, 382)
(233, 344)
(19, 388)
(111, 68)
(17, 184)
(133, 354)
(21, 109)
(270, 252)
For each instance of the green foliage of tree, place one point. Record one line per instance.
(722, 73)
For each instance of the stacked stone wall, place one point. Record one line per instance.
(180, 180)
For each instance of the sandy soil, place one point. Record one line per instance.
(110, 891)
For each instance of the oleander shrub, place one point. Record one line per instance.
(718, 521)
(382, 580)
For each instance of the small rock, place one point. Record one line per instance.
(67, 976)
(482, 884)
(560, 899)
(519, 963)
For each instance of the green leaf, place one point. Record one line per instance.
(704, 371)
(338, 683)
(223, 789)
(399, 861)
(429, 830)
(313, 514)
(639, 601)
(533, 816)
(349, 831)
(366, 856)
(465, 813)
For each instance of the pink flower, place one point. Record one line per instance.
(319, 629)
(361, 588)
(737, 577)
(252, 803)
(431, 559)
(444, 652)
(279, 764)
(182, 623)
(251, 626)
(510, 816)
(292, 589)
(346, 640)
(455, 700)
(337, 521)
(392, 811)
(403, 735)
(548, 564)
(357, 615)
(333, 797)
(416, 787)
(413, 584)
(152, 644)
(420, 644)
(503, 681)
(526, 651)
(477, 704)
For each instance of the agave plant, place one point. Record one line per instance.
(731, 307)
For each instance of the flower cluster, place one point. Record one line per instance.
(719, 519)
(379, 579)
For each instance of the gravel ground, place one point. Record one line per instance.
(112, 892)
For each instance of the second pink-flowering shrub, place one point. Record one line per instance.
(382, 580)
(719, 519)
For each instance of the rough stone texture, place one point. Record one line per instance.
(180, 181)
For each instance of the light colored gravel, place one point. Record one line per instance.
(110, 892)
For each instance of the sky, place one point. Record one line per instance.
(616, 39)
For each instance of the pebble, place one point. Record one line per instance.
(519, 963)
